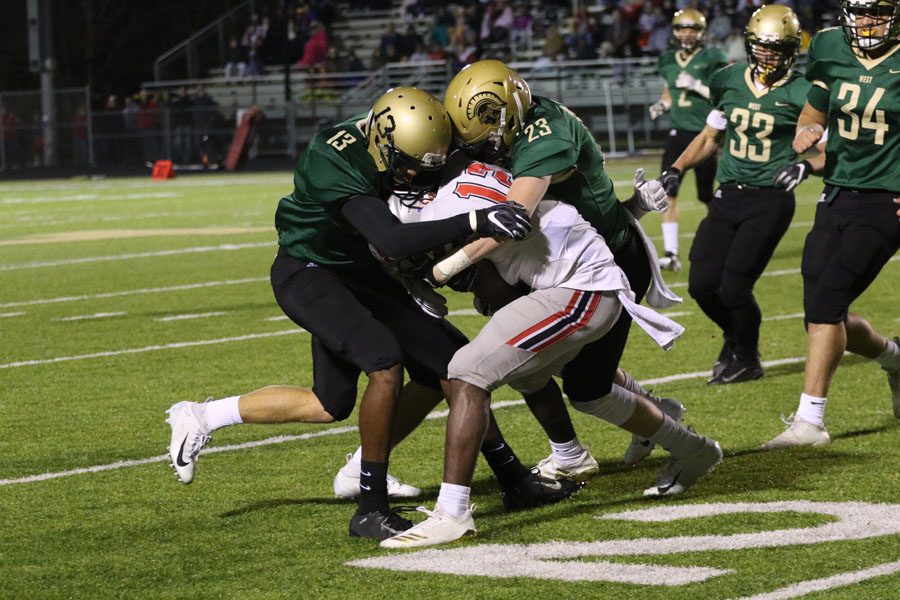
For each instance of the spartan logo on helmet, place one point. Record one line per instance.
(486, 107)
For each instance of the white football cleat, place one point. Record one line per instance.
(438, 528)
(670, 262)
(640, 448)
(189, 435)
(798, 433)
(679, 474)
(585, 468)
(894, 381)
(346, 484)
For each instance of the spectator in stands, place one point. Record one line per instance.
(148, 120)
(522, 23)
(255, 62)
(182, 121)
(316, 46)
(235, 59)
(660, 37)
(206, 111)
(354, 64)
(389, 38)
(11, 137)
(409, 41)
(79, 136)
(108, 128)
(437, 52)
(554, 44)
(440, 29)
(130, 123)
(456, 35)
(420, 54)
(496, 23)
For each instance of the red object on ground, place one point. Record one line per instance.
(162, 169)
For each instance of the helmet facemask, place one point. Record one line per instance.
(870, 25)
(770, 60)
(685, 41)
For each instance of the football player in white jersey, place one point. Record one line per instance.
(578, 293)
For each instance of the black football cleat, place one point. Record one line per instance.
(534, 490)
(378, 525)
(738, 370)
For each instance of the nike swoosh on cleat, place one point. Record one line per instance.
(361, 472)
(178, 460)
(365, 487)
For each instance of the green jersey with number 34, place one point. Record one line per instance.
(689, 109)
(761, 124)
(863, 106)
(555, 142)
(335, 167)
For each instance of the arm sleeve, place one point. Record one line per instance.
(373, 219)
(716, 119)
(818, 98)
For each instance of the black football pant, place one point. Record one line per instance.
(731, 249)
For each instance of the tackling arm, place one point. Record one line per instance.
(701, 147)
(810, 127)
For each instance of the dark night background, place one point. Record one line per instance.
(107, 44)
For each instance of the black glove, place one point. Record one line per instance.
(482, 307)
(508, 219)
(792, 175)
(671, 181)
(463, 281)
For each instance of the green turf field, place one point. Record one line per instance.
(120, 297)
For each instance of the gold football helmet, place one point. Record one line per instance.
(409, 135)
(487, 102)
(688, 27)
(772, 41)
(871, 25)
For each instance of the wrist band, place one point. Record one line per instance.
(450, 266)
(473, 220)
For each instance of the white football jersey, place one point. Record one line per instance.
(563, 250)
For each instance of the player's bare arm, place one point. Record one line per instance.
(810, 127)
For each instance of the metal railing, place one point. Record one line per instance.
(205, 47)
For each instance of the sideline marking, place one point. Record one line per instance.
(192, 316)
(101, 315)
(171, 288)
(93, 259)
(88, 198)
(99, 235)
(279, 439)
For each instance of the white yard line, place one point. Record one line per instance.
(113, 257)
(828, 583)
(239, 338)
(10, 315)
(101, 315)
(157, 290)
(192, 316)
(88, 198)
(212, 181)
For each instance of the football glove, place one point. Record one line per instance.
(792, 175)
(658, 109)
(685, 81)
(508, 219)
(671, 181)
(482, 307)
(464, 281)
(431, 303)
(649, 195)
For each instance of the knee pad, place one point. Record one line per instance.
(616, 407)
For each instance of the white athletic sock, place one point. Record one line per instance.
(812, 409)
(670, 237)
(567, 453)
(454, 499)
(890, 358)
(676, 438)
(222, 413)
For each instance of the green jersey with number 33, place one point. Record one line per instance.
(689, 109)
(863, 106)
(555, 142)
(761, 124)
(335, 167)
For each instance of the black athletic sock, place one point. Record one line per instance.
(503, 461)
(372, 487)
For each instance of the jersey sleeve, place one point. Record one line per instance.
(544, 156)
(718, 60)
(717, 85)
(816, 68)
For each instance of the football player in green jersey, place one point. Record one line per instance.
(855, 71)
(361, 320)
(686, 71)
(756, 106)
(550, 150)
